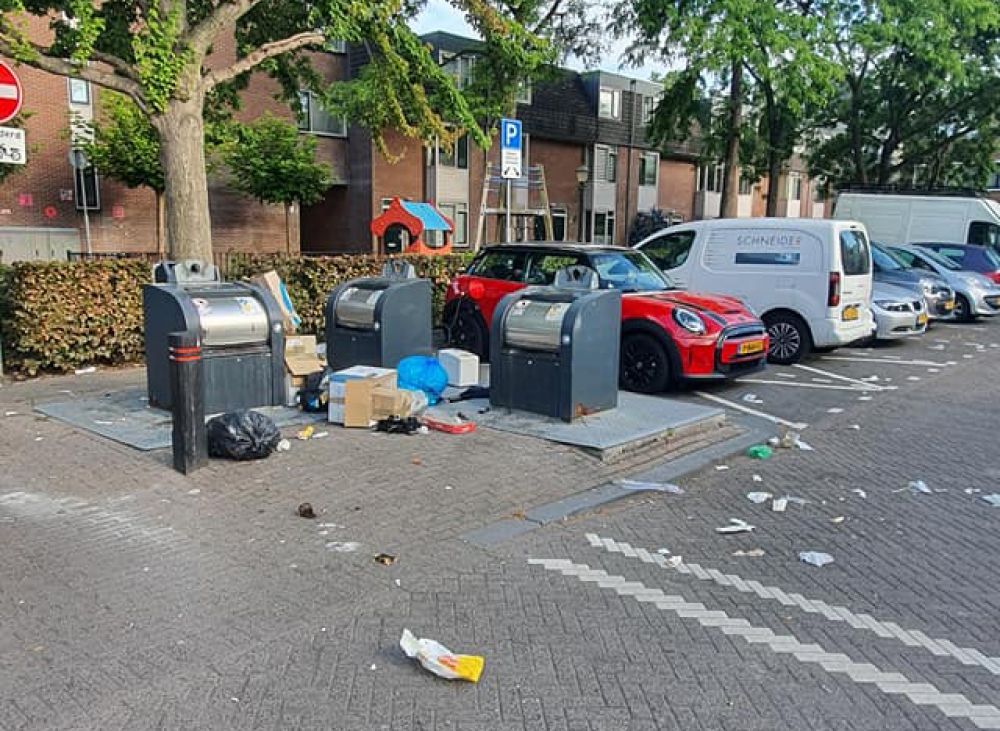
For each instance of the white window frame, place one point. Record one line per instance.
(458, 213)
(462, 141)
(78, 92)
(710, 178)
(307, 100)
(795, 186)
(647, 161)
(559, 212)
(746, 186)
(608, 236)
(608, 173)
(616, 103)
(648, 109)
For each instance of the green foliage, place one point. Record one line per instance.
(125, 145)
(160, 56)
(60, 316)
(272, 162)
(647, 223)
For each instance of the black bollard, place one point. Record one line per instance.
(190, 440)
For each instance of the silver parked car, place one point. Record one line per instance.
(899, 311)
(975, 295)
(887, 268)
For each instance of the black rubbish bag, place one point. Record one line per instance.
(242, 435)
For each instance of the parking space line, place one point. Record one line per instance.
(910, 638)
(799, 384)
(889, 682)
(860, 385)
(888, 361)
(753, 412)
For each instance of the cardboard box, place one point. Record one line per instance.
(461, 366)
(388, 402)
(300, 355)
(351, 394)
(273, 284)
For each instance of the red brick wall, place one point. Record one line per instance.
(560, 160)
(676, 190)
(402, 177)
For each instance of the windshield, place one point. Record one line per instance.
(884, 261)
(939, 259)
(630, 271)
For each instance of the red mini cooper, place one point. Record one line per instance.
(668, 335)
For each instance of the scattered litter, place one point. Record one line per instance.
(457, 425)
(663, 551)
(919, 486)
(85, 371)
(835, 410)
(306, 511)
(10, 413)
(838, 520)
(751, 398)
(675, 561)
(933, 370)
(374, 666)
(306, 434)
(855, 427)
(760, 451)
(649, 486)
(972, 490)
(816, 558)
(439, 660)
(38, 439)
(804, 446)
(752, 553)
(758, 478)
(242, 435)
(796, 500)
(735, 526)
(284, 445)
(396, 425)
(913, 378)
(779, 504)
(194, 491)
(386, 559)
(320, 434)
(758, 498)
(774, 442)
(343, 546)
(416, 461)
(860, 493)
(398, 582)
(993, 499)
(721, 467)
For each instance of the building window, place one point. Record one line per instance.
(604, 227)
(610, 103)
(710, 178)
(648, 164)
(79, 91)
(460, 68)
(457, 156)
(746, 186)
(523, 93)
(458, 213)
(316, 120)
(558, 225)
(605, 164)
(794, 187)
(648, 109)
(89, 195)
(386, 202)
(994, 181)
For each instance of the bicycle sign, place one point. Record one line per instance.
(13, 149)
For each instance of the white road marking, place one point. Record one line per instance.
(952, 704)
(863, 385)
(798, 426)
(827, 386)
(886, 360)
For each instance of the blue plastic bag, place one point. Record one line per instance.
(422, 373)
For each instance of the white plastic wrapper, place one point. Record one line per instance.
(441, 661)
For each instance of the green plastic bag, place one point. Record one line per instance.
(760, 451)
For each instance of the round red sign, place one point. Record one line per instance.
(11, 94)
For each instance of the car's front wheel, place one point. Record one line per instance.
(467, 332)
(645, 364)
(790, 339)
(963, 310)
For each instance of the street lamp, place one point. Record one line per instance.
(582, 174)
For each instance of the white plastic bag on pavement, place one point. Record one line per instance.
(993, 499)
(816, 558)
(735, 526)
(441, 661)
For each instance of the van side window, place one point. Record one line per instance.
(984, 233)
(854, 255)
(670, 251)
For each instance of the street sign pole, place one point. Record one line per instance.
(507, 237)
(79, 161)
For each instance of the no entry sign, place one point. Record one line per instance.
(11, 94)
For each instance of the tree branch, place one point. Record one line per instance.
(224, 16)
(544, 21)
(62, 67)
(121, 67)
(266, 51)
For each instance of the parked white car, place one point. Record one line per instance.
(809, 280)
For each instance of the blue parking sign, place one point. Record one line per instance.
(510, 134)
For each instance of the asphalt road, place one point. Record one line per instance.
(132, 598)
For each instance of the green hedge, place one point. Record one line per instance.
(60, 316)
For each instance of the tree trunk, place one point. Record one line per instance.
(889, 148)
(731, 162)
(773, 182)
(857, 135)
(182, 154)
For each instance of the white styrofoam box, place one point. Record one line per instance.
(337, 379)
(461, 366)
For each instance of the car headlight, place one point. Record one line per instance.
(690, 321)
(890, 306)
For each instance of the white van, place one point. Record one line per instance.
(897, 218)
(810, 280)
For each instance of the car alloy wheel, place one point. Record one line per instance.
(789, 339)
(645, 364)
(962, 308)
(468, 334)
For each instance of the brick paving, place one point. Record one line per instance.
(134, 598)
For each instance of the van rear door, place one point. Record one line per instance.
(850, 292)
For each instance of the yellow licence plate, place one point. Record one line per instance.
(752, 346)
(949, 306)
(850, 313)
(921, 320)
